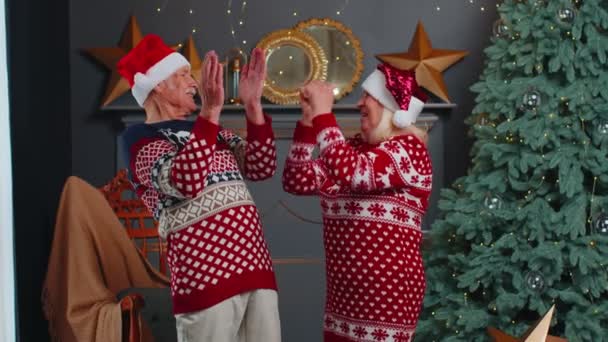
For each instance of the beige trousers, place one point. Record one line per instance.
(247, 317)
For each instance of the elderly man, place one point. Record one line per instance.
(190, 175)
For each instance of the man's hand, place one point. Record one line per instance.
(251, 85)
(317, 98)
(212, 88)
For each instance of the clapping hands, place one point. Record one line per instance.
(212, 87)
(316, 98)
(251, 85)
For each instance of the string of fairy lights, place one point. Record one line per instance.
(239, 24)
(236, 15)
(478, 3)
(236, 19)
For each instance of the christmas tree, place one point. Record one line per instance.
(527, 227)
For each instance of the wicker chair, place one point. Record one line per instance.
(142, 229)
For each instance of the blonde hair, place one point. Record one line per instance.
(386, 129)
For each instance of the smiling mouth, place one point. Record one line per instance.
(191, 92)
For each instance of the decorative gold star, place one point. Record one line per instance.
(109, 56)
(428, 63)
(196, 63)
(539, 332)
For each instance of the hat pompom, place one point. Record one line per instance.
(400, 119)
(403, 118)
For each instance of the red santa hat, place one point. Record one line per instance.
(150, 62)
(398, 91)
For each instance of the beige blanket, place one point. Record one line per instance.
(91, 260)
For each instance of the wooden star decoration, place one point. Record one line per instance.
(109, 56)
(539, 332)
(196, 63)
(428, 63)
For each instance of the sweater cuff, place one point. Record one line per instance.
(260, 132)
(205, 129)
(304, 134)
(323, 121)
(327, 131)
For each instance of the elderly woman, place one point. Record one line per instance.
(374, 191)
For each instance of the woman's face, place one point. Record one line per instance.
(371, 113)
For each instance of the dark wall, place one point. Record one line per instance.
(382, 26)
(38, 47)
(58, 128)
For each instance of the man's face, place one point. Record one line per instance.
(179, 91)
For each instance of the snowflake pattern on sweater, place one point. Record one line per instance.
(190, 175)
(373, 198)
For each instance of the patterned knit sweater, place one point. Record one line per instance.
(373, 198)
(190, 175)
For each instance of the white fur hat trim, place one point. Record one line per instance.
(144, 83)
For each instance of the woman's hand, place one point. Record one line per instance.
(306, 119)
(317, 98)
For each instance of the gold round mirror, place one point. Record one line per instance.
(342, 50)
(292, 58)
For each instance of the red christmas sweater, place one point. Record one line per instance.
(190, 175)
(373, 198)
